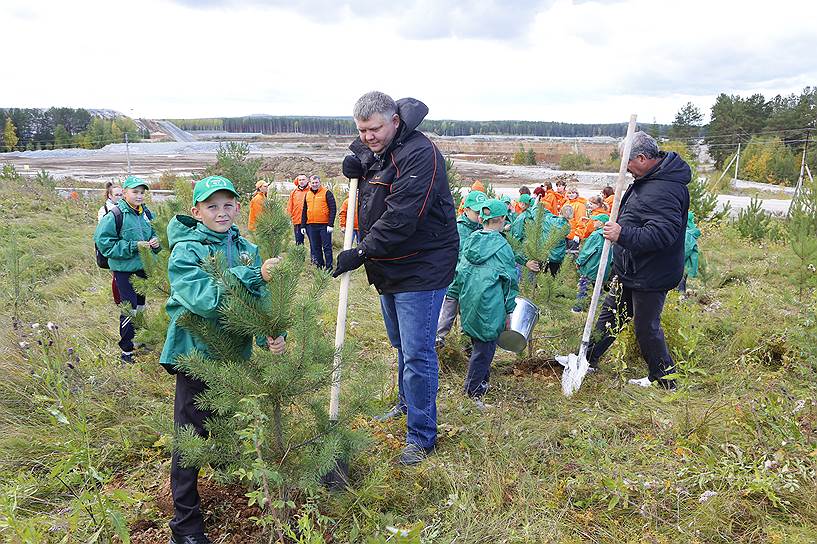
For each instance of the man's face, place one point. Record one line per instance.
(301, 181)
(377, 132)
(314, 183)
(218, 211)
(640, 165)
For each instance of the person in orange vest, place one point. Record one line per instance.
(608, 193)
(551, 200)
(295, 206)
(317, 219)
(344, 210)
(595, 208)
(578, 224)
(257, 203)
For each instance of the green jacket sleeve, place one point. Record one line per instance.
(589, 248)
(112, 245)
(511, 285)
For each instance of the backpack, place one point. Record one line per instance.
(102, 260)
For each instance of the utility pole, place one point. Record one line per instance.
(127, 151)
(803, 168)
(737, 162)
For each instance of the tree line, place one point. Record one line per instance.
(58, 128)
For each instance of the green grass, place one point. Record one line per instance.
(611, 464)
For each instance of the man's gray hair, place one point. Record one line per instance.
(643, 144)
(372, 103)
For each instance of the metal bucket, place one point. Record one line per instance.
(523, 320)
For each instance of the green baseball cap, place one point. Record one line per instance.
(132, 182)
(475, 200)
(603, 217)
(210, 185)
(525, 199)
(496, 208)
(505, 198)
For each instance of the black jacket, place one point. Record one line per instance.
(407, 217)
(649, 254)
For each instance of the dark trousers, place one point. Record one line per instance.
(187, 518)
(299, 238)
(479, 367)
(137, 301)
(644, 308)
(320, 246)
(553, 268)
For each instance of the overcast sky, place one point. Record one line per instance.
(550, 60)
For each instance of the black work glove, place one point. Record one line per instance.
(352, 167)
(348, 260)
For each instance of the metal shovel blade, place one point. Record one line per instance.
(574, 373)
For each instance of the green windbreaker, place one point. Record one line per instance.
(192, 289)
(590, 255)
(485, 285)
(122, 250)
(518, 225)
(691, 247)
(464, 228)
(557, 254)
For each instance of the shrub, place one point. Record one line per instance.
(753, 222)
(575, 161)
(524, 157)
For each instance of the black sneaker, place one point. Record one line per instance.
(397, 410)
(127, 357)
(413, 454)
(198, 538)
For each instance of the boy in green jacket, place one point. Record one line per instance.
(467, 223)
(121, 248)
(527, 214)
(486, 288)
(192, 240)
(589, 259)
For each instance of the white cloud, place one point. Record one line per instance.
(583, 61)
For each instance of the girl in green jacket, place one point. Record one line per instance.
(121, 247)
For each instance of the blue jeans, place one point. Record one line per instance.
(320, 246)
(137, 302)
(411, 324)
(479, 367)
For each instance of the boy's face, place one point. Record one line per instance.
(135, 196)
(218, 211)
(560, 188)
(472, 215)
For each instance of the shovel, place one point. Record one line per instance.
(577, 365)
(338, 478)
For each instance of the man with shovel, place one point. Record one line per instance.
(409, 246)
(648, 256)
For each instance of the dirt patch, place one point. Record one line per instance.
(289, 166)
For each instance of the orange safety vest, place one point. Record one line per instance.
(579, 216)
(344, 209)
(256, 207)
(609, 201)
(295, 205)
(552, 201)
(317, 209)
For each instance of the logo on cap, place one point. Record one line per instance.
(216, 183)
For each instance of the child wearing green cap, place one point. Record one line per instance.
(118, 236)
(589, 259)
(467, 223)
(525, 203)
(486, 287)
(193, 239)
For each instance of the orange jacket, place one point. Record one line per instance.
(295, 204)
(609, 201)
(577, 224)
(552, 201)
(256, 207)
(344, 209)
(319, 208)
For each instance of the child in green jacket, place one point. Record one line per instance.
(486, 288)
(192, 240)
(467, 223)
(589, 259)
(527, 214)
(561, 224)
(122, 251)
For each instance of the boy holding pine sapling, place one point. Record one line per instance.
(194, 240)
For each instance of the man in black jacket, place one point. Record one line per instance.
(648, 255)
(409, 246)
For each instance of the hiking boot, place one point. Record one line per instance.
(198, 538)
(413, 454)
(398, 410)
(127, 357)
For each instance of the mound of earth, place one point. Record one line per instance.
(289, 166)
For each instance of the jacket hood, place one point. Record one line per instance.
(482, 245)
(183, 228)
(671, 168)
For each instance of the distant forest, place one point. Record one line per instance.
(345, 126)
